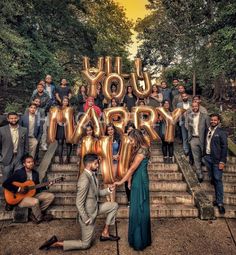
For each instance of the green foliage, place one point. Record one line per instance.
(13, 107)
(40, 36)
(194, 35)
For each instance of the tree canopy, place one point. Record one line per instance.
(197, 37)
(51, 36)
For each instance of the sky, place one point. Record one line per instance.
(134, 9)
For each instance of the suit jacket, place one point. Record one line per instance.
(87, 197)
(203, 125)
(182, 117)
(219, 146)
(38, 125)
(20, 176)
(6, 148)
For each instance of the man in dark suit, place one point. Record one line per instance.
(41, 201)
(32, 122)
(197, 124)
(13, 145)
(215, 158)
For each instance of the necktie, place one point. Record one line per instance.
(94, 179)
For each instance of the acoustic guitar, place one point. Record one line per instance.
(15, 198)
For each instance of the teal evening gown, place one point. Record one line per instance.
(139, 234)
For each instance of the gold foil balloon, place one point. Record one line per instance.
(93, 80)
(122, 112)
(78, 133)
(89, 116)
(125, 154)
(104, 150)
(108, 65)
(52, 124)
(66, 116)
(107, 86)
(100, 65)
(170, 119)
(148, 85)
(98, 129)
(138, 68)
(148, 124)
(88, 145)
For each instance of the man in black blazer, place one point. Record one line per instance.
(13, 145)
(215, 158)
(41, 201)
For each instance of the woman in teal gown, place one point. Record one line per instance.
(139, 233)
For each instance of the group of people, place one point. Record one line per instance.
(202, 138)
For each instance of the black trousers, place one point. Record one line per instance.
(167, 149)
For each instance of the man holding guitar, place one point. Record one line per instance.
(18, 190)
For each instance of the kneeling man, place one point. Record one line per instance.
(87, 202)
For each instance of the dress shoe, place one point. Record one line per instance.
(165, 160)
(47, 217)
(61, 160)
(109, 238)
(34, 219)
(214, 203)
(221, 209)
(200, 179)
(48, 243)
(67, 160)
(9, 207)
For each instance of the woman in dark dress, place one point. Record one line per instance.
(81, 98)
(63, 91)
(112, 132)
(129, 127)
(100, 97)
(60, 136)
(167, 147)
(130, 99)
(139, 234)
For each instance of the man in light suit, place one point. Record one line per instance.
(197, 124)
(13, 145)
(87, 202)
(32, 122)
(215, 158)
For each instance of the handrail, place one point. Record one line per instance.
(231, 146)
(46, 161)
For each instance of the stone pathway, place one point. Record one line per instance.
(170, 236)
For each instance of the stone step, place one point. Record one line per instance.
(228, 187)
(151, 166)
(229, 199)
(155, 198)
(153, 186)
(231, 159)
(160, 176)
(5, 215)
(229, 168)
(227, 177)
(163, 211)
(75, 159)
(230, 212)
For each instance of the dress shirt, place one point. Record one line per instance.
(15, 137)
(195, 123)
(208, 139)
(186, 105)
(31, 125)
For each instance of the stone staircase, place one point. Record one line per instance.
(229, 180)
(168, 190)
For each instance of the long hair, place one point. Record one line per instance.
(116, 136)
(140, 141)
(85, 129)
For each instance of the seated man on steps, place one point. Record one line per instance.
(41, 201)
(89, 208)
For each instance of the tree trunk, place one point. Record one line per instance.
(219, 88)
(194, 82)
